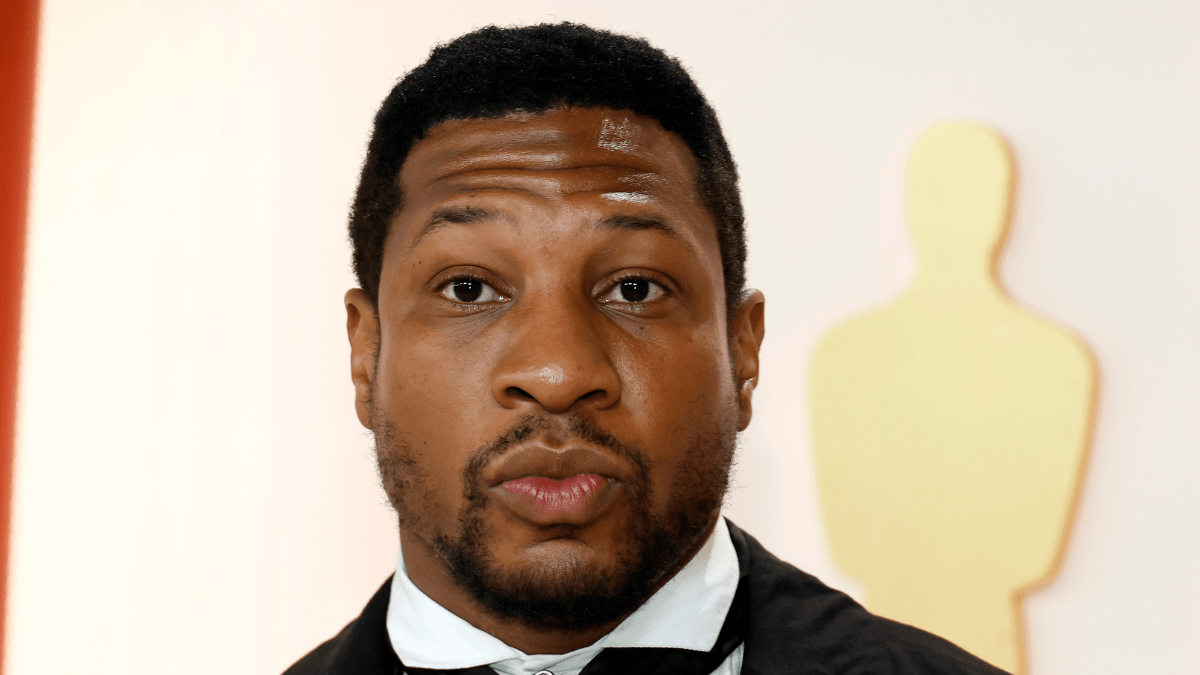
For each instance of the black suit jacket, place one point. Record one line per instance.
(789, 621)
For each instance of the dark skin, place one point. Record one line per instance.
(551, 265)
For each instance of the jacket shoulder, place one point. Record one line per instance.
(796, 624)
(361, 648)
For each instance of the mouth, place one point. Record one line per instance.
(545, 486)
(546, 501)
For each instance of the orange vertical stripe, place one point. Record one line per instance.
(18, 58)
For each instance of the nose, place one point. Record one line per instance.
(556, 357)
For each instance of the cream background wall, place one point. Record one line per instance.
(193, 493)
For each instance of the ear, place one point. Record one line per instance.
(362, 327)
(746, 334)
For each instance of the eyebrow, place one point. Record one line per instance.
(628, 222)
(456, 215)
(631, 222)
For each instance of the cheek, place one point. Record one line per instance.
(679, 394)
(429, 395)
(686, 370)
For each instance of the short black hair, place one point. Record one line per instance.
(495, 71)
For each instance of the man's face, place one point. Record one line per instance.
(549, 374)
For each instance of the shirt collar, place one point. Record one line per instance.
(686, 613)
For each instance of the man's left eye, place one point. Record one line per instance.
(471, 291)
(633, 291)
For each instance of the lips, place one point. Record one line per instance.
(547, 486)
(545, 500)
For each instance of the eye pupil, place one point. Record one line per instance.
(467, 290)
(635, 290)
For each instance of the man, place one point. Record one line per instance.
(555, 351)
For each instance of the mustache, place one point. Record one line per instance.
(571, 426)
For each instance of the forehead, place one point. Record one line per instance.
(562, 138)
(611, 157)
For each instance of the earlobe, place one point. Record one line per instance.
(749, 328)
(362, 327)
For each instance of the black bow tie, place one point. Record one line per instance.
(624, 661)
(648, 660)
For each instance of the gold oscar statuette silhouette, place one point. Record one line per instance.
(950, 427)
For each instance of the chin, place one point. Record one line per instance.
(562, 582)
(584, 579)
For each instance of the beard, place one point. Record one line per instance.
(570, 594)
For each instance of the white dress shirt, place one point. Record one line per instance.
(686, 613)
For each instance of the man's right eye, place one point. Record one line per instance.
(471, 292)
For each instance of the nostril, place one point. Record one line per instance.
(519, 393)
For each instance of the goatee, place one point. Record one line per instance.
(573, 594)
